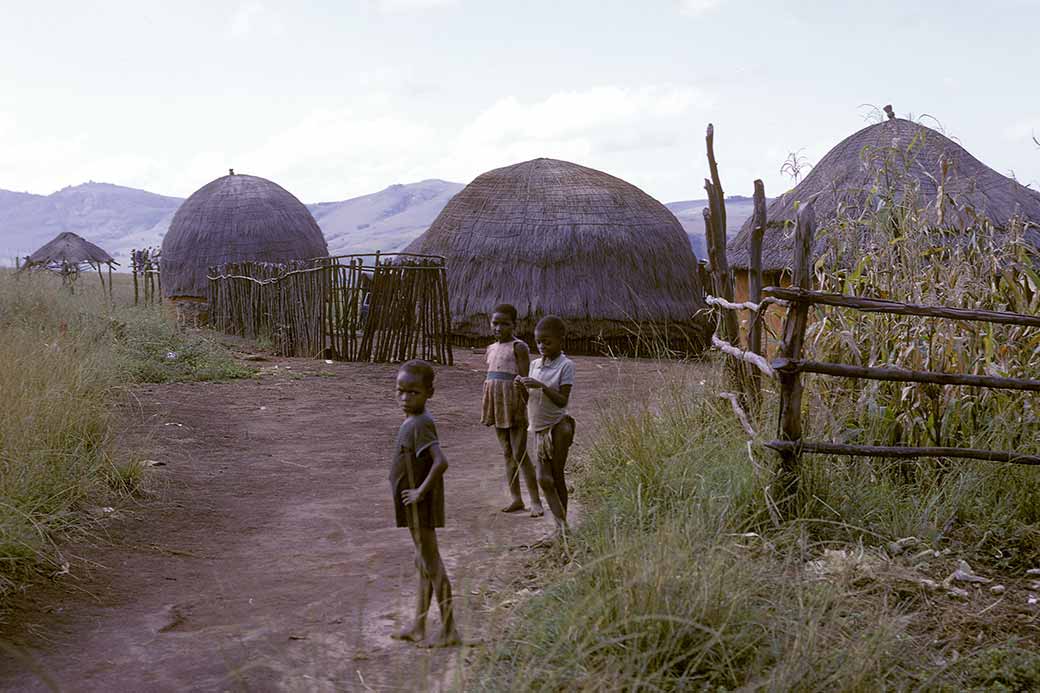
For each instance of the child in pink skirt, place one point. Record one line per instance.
(504, 406)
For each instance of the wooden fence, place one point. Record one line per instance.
(368, 307)
(144, 266)
(745, 366)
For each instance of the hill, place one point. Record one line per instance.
(119, 219)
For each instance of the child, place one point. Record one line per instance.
(416, 479)
(504, 406)
(550, 382)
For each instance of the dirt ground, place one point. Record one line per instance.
(264, 556)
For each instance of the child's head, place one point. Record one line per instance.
(503, 321)
(549, 334)
(414, 385)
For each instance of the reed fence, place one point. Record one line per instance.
(364, 307)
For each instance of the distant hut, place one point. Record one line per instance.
(69, 254)
(894, 154)
(234, 218)
(552, 237)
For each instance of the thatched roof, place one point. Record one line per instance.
(552, 237)
(68, 250)
(232, 219)
(891, 154)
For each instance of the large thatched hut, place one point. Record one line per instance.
(552, 237)
(233, 219)
(886, 159)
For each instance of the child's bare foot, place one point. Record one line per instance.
(514, 506)
(537, 511)
(451, 639)
(414, 633)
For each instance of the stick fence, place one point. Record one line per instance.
(369, 307)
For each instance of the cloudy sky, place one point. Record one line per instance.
(340, 98)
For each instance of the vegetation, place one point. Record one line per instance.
(64, 363)
(682, 577)
(679, 579)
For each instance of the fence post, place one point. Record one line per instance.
(133, 271)
(790, 423)
(758, 229)
(715, 235)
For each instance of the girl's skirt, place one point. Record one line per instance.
(504, 404)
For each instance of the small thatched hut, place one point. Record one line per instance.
(233, 219)
(894, 155)
(68, 254)
(552, 237)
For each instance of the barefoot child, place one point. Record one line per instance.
(504, 406)
(550, 382)
(416, 479)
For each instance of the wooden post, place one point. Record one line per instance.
(134, 267)
(715, 235)
(758, 228)
(789, 427)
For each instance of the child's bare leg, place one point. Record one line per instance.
(431, 558)
(546, 481)
(518, 438)
(563, 436)
(512, 472)
(417, 630)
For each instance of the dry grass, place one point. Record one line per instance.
(65, 360)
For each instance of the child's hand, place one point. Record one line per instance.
(530, 383)
(410, 496)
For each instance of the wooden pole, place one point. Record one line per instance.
(790, 420)
(902, 375)
(758, 228)
(135, 266)
(715, 234)
(879, 305)
(900, 451)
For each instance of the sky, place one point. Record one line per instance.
(341, 98)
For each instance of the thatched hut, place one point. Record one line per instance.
(68, 254)
(887, 157)
(552, 237)
(233, 219)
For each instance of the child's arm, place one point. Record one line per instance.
(523, 358)
(440, 465)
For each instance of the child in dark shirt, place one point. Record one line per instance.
(417, 482)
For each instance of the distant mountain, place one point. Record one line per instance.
(113, 217)
(119, 219)
(387, 220)
(691, 215)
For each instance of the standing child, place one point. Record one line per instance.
(417, 481)
(550, 382)
(504, 406)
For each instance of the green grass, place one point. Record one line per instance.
(679, 579)
(65, 361)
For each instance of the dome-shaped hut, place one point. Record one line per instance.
(235, 218)
(888, 157)
(552, 237)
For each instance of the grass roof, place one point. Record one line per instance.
(884, 160)
(553, 237)
(233, 219)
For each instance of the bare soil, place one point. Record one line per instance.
(264, 555)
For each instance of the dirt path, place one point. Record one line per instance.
(267, 559)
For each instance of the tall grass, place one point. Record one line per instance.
(678, 579)
(64, 363)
